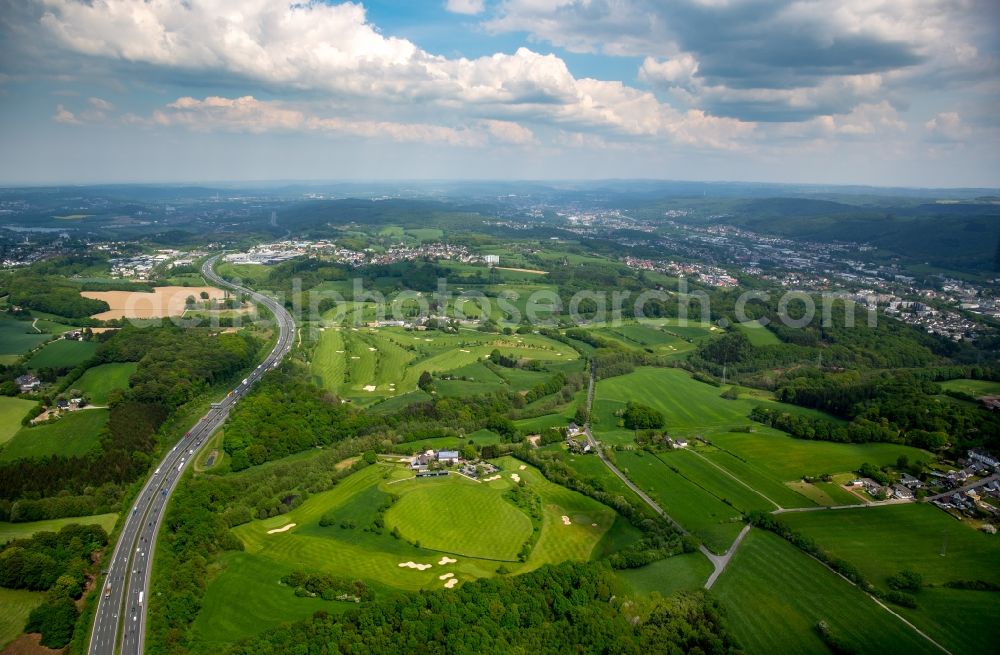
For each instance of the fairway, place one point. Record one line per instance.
(12, 410)
(697, 510)
(75, 433)
(63, 353)
(774, 595)
(9, 531)
(368, 365)
(456, 515)
(98, 381)
(433, 509)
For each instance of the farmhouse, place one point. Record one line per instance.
(902, 492)
(27, 383)
(873, 488)
(573, 430)
(680, 443)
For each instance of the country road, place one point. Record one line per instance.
(120, 618)
(718, 561)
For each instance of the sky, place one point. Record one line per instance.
(875, 92)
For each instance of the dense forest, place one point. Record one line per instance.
(556, 609)
(175, 365)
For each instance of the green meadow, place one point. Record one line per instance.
(75, 433)
(703, 514)
(15, 606)
(12, 410)
(17, 337)
(758, 334)
(63, 353)
(10, 531)
(787, 458)
(974, 388)
(881, 541)
(774, 595)
(100, 380)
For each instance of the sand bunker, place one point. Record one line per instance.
(515, 477)
(355, 357)
(372, 349)
(462, 350)
(284, 528)
(163, 301)
(451, 583)
(566, 521)
(491, 478)
(446, 560)
(369, 387)
(522, 467)
(593, 525)
(446, 576)
(414, 565)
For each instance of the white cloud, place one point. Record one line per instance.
(65, 116)
(470, 7)
(333, 49)
(101, 104)
(947, 126)
(248, 114)
(678, 71)
(509, 132)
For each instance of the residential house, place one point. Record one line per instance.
(984, 458)
(27, 383)
(680, 443)
(448, 457)
(911, 482)
(902, 492)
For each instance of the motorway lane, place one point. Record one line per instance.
(120, 617)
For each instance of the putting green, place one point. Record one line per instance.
(456, 515)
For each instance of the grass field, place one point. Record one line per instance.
(702, 472)
(678, 573)
(758, 334)
(459, 516)
(12, 410)
(881, 541)
(973, 387)
(9, 531)
(690, 407)
(786, 458)
(17, 337)
(758, 478)
(697, 510)
(774, 595)
(453, 514)
(98, 381)
(15, 606)
(73, 434)
(63, 354)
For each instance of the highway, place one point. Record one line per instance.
(120, 618)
